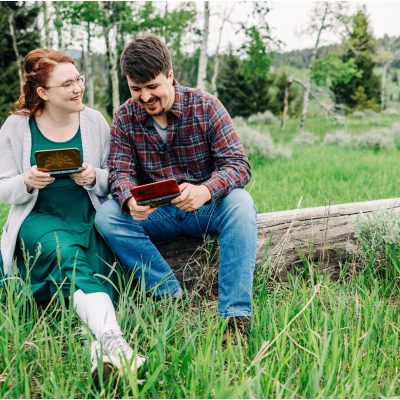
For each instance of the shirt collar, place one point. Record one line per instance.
(176, 109)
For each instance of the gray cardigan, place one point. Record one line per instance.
(15, 160)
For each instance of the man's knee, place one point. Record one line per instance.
(240, 202)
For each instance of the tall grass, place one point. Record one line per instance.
(309, 338)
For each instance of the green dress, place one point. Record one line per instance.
(59, 246)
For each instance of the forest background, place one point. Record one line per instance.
(250, 78)
(320, 126)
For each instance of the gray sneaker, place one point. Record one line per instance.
(117, 354)
(101, 363)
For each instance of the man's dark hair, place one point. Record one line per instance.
(145, 58)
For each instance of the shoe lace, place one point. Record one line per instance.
(114, 344)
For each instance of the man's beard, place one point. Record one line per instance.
(156, 113)
(153, 113)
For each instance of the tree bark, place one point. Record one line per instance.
(285, 240)
(328, 110)
(202, 71)
(88, 66)
(45, 8)
(286, 103)
(307, 91)
(113, 62)
(386, 67)
(110, 37)
(15, 47)
(214, 77)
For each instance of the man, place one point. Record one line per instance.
(170, 131)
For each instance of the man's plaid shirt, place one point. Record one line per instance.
(202, 146)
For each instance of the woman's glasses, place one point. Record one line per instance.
(70, 85)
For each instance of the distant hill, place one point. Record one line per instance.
(301, 58)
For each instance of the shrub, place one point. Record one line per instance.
(339, 138)
(238, 121)
(391, 112)
(305, 138)
(265, 118)
(378, 236)
(340, 120)
(370, 113)
(375, 140)
(359, 114)
(256, 142)
(378, 229)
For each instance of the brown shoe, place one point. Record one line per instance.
(237, 326)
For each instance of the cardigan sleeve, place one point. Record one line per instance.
(12, 186)
(100, 188)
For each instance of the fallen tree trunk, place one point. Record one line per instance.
(285, 239)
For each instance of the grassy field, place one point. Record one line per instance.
(319, 175)
(310, 337)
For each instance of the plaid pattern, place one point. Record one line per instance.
(202, 146)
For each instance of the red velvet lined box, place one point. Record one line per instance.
(156, 193)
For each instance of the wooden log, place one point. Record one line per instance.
(285, 239)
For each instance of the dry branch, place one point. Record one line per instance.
(285, 238)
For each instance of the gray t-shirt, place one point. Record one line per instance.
(161, 131)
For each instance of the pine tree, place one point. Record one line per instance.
(362, 91)
(256, 65)
(232, 88)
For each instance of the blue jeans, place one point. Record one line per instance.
(233, 218)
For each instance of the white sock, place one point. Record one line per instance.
(97, 311)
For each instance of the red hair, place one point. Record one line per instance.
(38, 65)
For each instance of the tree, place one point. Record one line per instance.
(170, 25)
(13, 46)
(325, 17)
(283, 97)
(85, 15)
(233, 90)
(225, 17)
(255, 65)
(255, 71)
(45, 38)
(176, 27)
(111, 11)
(202, 70)
(386, 55)
(363, 90)
(11, 29)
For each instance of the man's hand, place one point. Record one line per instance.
(192, 196)
(35, 179)
(85, 178)
(138, 213)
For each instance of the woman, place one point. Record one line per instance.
(50, 226)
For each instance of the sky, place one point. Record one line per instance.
(288, 20)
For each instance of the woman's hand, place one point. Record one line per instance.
(85, 178)
(35, 179)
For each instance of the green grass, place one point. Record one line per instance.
(310, 337)
(307, 340)
(320, 125)
(319, 175)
